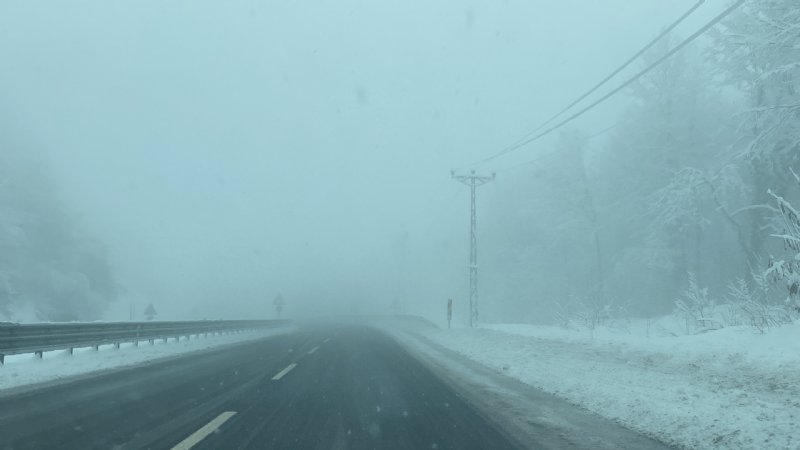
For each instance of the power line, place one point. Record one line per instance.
(619, 69)
(544, 155)
(628, 82)
(592, 90)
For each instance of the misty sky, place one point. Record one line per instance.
(227, 150)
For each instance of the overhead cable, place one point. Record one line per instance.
(616, 90)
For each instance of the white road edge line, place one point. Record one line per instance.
(207, 429)
(311, 352)
(283, 372)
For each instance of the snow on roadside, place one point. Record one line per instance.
(731, 388)
(26, 369)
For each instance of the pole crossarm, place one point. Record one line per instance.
(468, 179)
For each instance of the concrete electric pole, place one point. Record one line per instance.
(473, 181)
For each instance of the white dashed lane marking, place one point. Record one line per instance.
(283, 372)
(207, 429)
(311, 352)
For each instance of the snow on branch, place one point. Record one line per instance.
(787, 223)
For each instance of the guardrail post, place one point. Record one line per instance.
(39, 338)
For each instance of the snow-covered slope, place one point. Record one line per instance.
(730, 388)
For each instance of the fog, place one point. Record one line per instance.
(225, 152)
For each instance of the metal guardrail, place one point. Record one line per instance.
(38, 338)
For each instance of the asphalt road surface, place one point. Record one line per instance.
(334, 387)
(321, 387)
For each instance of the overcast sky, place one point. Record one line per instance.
(227, 150)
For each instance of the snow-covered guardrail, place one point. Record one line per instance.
(38, 338)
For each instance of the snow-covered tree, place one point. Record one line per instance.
(757, 51)
(48, 268)
(551, 242)
(786, 226)
(679, 185)
(695, 304)
(654, 173)
(150, 312)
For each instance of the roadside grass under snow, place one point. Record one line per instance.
(730, 388)
(27, 369)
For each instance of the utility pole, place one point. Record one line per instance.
(473, 181)
(278, 302)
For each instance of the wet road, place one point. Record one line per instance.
(320, 387)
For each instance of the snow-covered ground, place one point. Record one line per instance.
(26, 369)
(732, 388)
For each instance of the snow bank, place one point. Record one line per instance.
(26, 369)
(730, 388)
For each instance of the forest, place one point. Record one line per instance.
(688, 202)
(50, 269)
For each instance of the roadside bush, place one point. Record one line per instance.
(590, 313)
(753, 304)
(695, 305)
